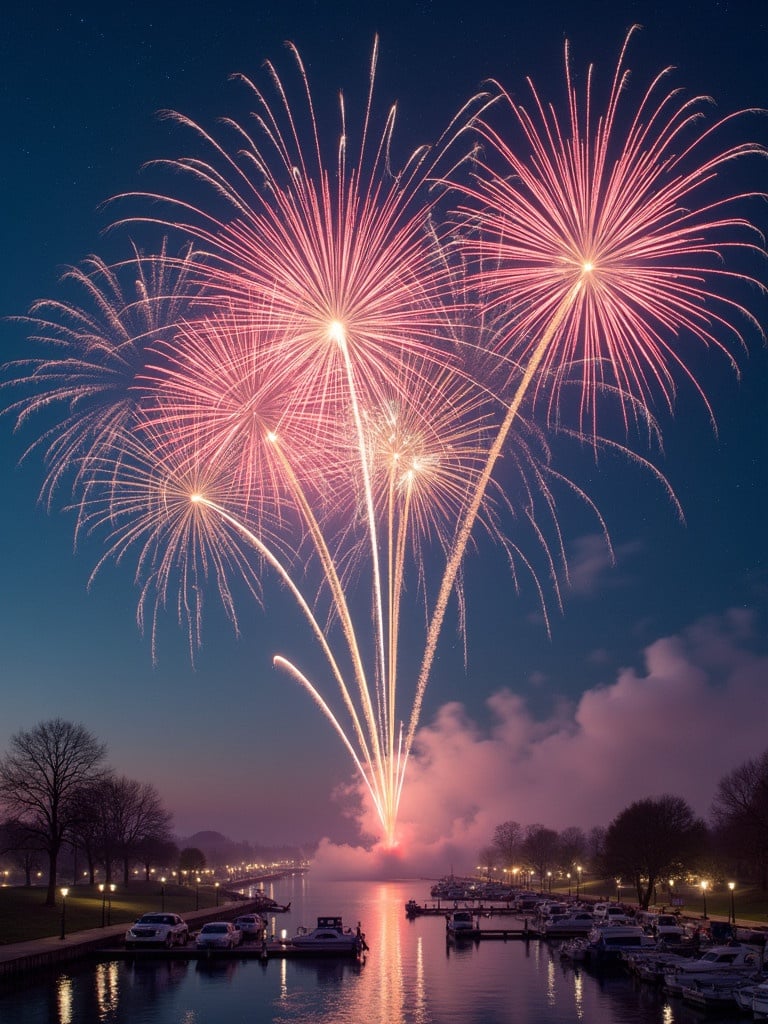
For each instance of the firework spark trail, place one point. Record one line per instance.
(579, 252)
(317, 378)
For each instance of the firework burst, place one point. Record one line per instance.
(322, 393)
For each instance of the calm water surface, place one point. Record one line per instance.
(410, 977)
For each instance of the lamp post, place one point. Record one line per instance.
(162, 892)
(103, 891)
(216, 887)
(549, 882)
(704, 885)
(732, 886)
(110, 890)
(578, 880)
(64, 893)
(197, 892)
(618, 890)
(568, 876)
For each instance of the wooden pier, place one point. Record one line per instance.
(504, 934)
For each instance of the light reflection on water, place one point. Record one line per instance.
(411, 976)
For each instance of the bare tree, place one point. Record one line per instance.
(20, 844)
(652, 839)
(540, 849)
(40, 777)
(137, 815)
(507, 840)
(740, 811)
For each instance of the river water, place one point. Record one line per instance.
(410, 976)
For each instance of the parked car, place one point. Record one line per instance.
(250, 925)
(157, 930)
(218, 935)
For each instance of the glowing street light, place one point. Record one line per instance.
(549, 880)
(578, 879)
(216, 887)
(568, 876)
(162, 892)
(732, 886)
(197, 892)
(106, 901)
(703, 883)
(64, 893)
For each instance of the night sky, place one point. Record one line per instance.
(655, 677)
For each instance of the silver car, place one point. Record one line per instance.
(251, 925)
(218, 935)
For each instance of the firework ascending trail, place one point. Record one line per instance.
(306, 389)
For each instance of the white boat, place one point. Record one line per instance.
(759, 1001)
(745, 993)
(610, 944)
(650, 966)
(722, 962)
(461, 924)
(716, 995)
(330, 936)
(580, 922)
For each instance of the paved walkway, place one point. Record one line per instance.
(18, 957)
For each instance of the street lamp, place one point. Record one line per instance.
(618, 890)
(732, 886)
(162, 892)
(704, 885)
(578, 880)
(197, 892)
(216, 887)
(64, 893)
(549, 881)
(568, 876)
(103, 891)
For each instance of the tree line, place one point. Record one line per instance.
(56, 790)
(652, 841)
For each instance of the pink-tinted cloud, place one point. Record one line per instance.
(696, 712)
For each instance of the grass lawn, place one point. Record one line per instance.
(749, 903)
(24, 916)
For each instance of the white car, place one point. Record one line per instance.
(218, 935)
(157, 930)
(250, 925)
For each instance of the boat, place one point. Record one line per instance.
(720, 962)
(330, 936)
(460, 924)
(580, 922)
(759, 1002)
(716, 995)
(573, 951)
(609, 944)
(650, 966)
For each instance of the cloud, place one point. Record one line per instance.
(592, 564)
(696, 712)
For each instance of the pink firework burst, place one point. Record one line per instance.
(610, 233)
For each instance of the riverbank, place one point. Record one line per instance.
(19, 958)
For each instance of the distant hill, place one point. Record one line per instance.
(219, 849)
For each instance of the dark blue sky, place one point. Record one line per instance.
(227, 745)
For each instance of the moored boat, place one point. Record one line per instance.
(716, 995)
(608, 945)
(732, 961)
(580, 922)
(330, 936)
(460, 924)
